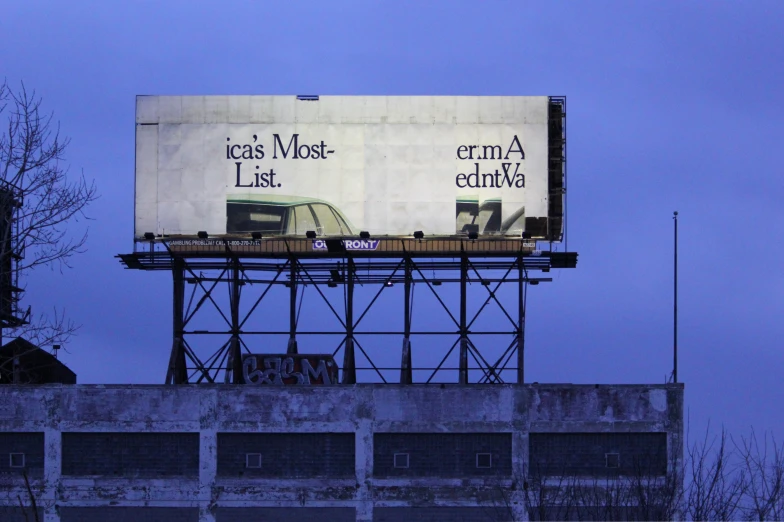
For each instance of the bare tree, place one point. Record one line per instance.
(38, 201)
(764, 467)
(716, 485)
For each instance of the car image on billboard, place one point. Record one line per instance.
(285, 216)
(485, 219)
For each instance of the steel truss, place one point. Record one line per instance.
(202, 282)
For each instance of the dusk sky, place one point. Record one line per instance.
(670, 106)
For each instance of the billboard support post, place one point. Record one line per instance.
(349, 361)
(521, 295)
(405, 365)
(463, 369)
(177, 373)
(292, 347)
(236, 349)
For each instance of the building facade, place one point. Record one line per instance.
(381, 453)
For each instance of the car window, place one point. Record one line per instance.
(303, 219)
(247, 217)
(345, 229)
(328, 223)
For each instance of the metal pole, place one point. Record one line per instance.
(405, 366)
(235, 355)
(292, 347)
(349, 361)
(675, 304)
(463, 370)
(177, 373)
(520, 322)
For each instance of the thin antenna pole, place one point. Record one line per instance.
(675, 304)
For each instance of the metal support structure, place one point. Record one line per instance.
(406, 376)
(177, 372)
(292, 346)
(349, 359)
(463, 364)
(522, 288)
(210, 333)
(234, 369)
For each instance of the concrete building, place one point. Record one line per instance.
(382, 453)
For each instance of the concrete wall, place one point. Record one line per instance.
(298, 484)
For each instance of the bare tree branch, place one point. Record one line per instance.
(764, 467)
(39, 201)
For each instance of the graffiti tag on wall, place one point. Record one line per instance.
(289, 369)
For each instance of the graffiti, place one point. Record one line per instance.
(289, 369)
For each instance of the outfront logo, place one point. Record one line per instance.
(349, 244)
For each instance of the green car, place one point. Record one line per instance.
(285, 216)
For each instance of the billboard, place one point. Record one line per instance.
(283, 166)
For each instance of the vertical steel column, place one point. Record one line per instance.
(675, 304)
(234, 371)
(463, 371)
(521, 291)
(177, 372)
(349, 361)
(405, 366)
(292, 347)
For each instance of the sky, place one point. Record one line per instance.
(670, 106)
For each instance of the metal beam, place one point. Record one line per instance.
(522, 287)
(234, 369)
(292, 346)
(177, 372)
(349, 359)
(463, 365)
(406, 376)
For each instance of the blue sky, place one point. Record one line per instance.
(671, 106)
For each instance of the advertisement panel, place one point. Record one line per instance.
(283, 166)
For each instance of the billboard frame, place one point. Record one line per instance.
(551, 228)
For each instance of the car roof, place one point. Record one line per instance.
(273, 199)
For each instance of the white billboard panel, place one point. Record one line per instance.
(338, 165)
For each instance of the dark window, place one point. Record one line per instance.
(491, 513)
(250, 217)
(22, 451)
(598, 454)
(442, 454)
(286, 455)
(131, 454)
(285, 514)
(128, 514)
